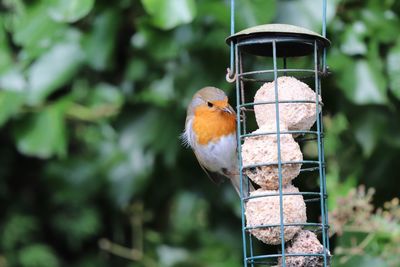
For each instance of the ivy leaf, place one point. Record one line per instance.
(253, 12)
(161, 45)
(196, 210)
(44, 134)
(366, 261)
(215, 12)
(10, 103)
(369, 129)
(362, 81)
(38, 255)
(308, 13)
(370, 86)
(169, 14)
(160, 92)
(5, 52)
(393, 67)
(71, 10)
(52, 70)
(353, 39)
(77, 225)
(35, 30)
(100, 43)
(18, 230)
(381, 23)
(13, 80)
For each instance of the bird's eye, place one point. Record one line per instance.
(210, 105)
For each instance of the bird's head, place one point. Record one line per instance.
(210, 99)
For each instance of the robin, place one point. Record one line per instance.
(210, 130)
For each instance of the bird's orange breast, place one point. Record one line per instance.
(210, 125)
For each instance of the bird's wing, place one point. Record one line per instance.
(215, 177)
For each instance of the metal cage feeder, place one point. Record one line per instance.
(281, 43)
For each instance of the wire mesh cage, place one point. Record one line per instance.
(276, 212)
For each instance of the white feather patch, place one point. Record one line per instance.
(187, 136)
(216, 156)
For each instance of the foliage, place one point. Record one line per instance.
(369, 237)
(92, 102)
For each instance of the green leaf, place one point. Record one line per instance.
(35, 30)
(369, 129)
(10, 103)
(171, 256)
(38, 255)
(336, 187)
(334, 127)
(5, 53)
(129, 161)
(169, 14)
(370, 86)
(380, 23)
(160, 92)
(253, 12)
(361, 81)
(18, 230)
(99, 44)
(364, 261)
(102, 101)
(13, 80)
(44, 134)
(136, 70)
(393, 68)
(353, 39)
(188, 214)
(159, 45)
(53, 70)
(77, 225)
(215, 12)
(71, 10)
(104, 94)
(308, 13)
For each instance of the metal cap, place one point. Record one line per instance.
(292, 41)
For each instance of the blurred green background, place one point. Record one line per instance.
(92, 101)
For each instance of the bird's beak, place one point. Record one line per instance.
(227, 109)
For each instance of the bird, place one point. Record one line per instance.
(210, 130)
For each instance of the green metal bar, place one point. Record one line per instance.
(239, 148)
(284, 70)
(271, 133)
(324, 175)
(251, 248)
(278, 136)
(317, 94)
(283, 194)
(324, 18)
(286, 224)
(244, 130)
(283, 39)
(280, 102)
(242, 95)
(288, 254)
(232, 58)
(323, 169)
(324, 8)
(244, 122)
(281, 163)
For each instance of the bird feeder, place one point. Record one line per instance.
(286, 103)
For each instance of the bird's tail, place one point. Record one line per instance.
(247, 185)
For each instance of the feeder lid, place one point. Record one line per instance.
(294, 40)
